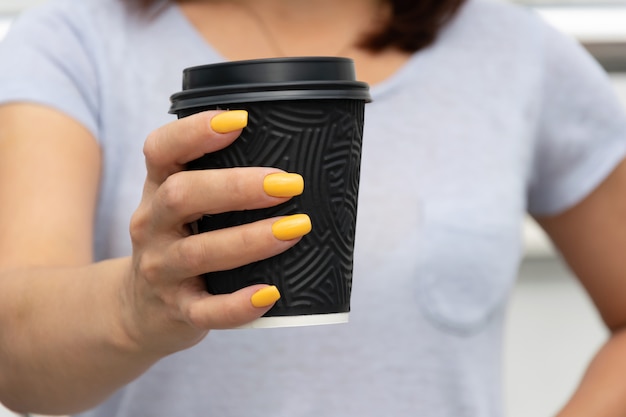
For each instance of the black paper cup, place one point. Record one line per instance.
(305, 115)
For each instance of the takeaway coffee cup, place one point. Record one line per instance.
(305, 115)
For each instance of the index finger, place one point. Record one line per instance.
(170, 147)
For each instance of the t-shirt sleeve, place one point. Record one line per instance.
(581, 132)
(46, 59)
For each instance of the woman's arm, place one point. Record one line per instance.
(73, 331)
(592, 238)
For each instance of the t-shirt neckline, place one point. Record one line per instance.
(377, 90)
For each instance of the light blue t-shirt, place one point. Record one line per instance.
(501, 116)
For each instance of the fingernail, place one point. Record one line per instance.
(265, 297)
(291, 227)
(283, 184)
(229, 121)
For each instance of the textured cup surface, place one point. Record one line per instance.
(320, 139)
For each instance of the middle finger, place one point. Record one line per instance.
(187, 195)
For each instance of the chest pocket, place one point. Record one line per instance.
(468, 257)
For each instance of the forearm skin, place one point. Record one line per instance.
(63, 340)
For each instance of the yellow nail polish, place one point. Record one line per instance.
(283, 184)
(265, 297)
(291, 227)
(229, 121)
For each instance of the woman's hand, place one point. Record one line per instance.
(115, 318)
(167, 307)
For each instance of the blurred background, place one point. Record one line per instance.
(553, 329)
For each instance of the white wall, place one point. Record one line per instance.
(13, 6)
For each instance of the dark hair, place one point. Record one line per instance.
(413, 24)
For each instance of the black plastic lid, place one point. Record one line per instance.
(271, 79)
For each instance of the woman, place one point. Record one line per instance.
(481, 112)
